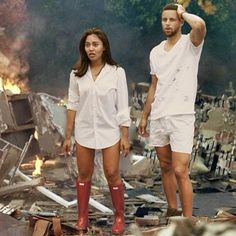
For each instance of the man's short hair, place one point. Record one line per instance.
(170, 6)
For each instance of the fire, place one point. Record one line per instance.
(10, 86)
(36, 135)
(38, 165)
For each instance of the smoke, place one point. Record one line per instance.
(14, 43)
(54, 28)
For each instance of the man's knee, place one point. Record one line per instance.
(166, 167)
(181, 172)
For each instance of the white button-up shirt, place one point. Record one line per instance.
(101, 106)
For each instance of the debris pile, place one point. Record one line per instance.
(31, 140)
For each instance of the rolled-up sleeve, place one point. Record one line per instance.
(73, 93)
(123, 114)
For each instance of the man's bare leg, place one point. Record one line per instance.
(180, 163)
(164, 155)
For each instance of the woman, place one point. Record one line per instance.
(98, 110)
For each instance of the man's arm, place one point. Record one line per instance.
(147, 106)
(197, 24)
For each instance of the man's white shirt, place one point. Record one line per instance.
(176, 71)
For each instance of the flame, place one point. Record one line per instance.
(62, 102)
(207, 6)
(38, 164)
(10, 86)
(36, 135)
(185, 3)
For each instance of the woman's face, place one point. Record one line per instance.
(94, 47)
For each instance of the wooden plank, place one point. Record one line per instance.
(19, 128)
(41, 228)
(147, 221)
(136, 231)
(16, 203)
(3, 155)
(20, 186)
(151, 198)
(11, 159)
(57, 230)
(15, 97)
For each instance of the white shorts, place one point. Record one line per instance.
(177, 130)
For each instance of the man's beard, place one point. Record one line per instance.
(170, 33)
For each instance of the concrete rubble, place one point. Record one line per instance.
(32, 129)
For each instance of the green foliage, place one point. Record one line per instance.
(218, 59)
(143, 14)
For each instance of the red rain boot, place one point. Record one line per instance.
(83, 194)
(117, 196)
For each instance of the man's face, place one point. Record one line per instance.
(171, 24)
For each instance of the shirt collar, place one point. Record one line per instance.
(104, 70)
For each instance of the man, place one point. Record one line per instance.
(170, 102)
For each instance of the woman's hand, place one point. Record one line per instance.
(67, 146)
(124, 146)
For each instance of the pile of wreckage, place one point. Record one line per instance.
(37, 182)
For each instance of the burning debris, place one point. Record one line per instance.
(13, 47)
(31, 147)
(215, 133)
(38, 165)
(216, 138)
(49, 117)
(41, 127)
(31, 163)
(32, 166)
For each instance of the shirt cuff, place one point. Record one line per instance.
(72, 106)
(126, 123)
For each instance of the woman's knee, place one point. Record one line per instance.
(85, 175)
(112, 176)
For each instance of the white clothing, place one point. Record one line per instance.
(176, 71)
(101, 106)
(177, 130)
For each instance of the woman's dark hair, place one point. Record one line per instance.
(82, 64)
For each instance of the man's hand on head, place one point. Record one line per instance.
(180, 11)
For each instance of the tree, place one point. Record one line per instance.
(218, 59)
(133, 27)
